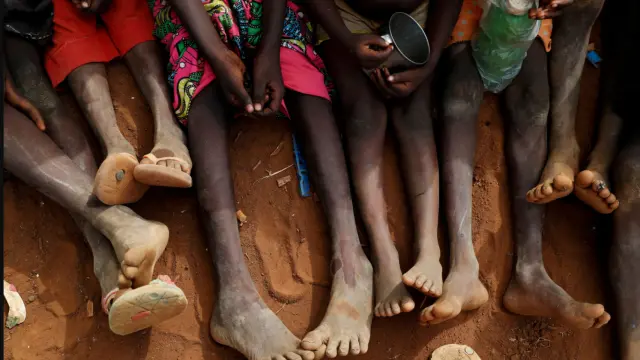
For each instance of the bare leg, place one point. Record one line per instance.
(531, 291)
(462, 98)
(625, 250)
(24, 63)
(170, 142)
(570, 38)
(412, 121)
(346, 326)
(34, 158)
(114, 182)
(592, 184)
(240, 317)
(365, 116)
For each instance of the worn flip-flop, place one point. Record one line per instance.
(157, 175)
(454, 352)
(144, 307)
(115, 184)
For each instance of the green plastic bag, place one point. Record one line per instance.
(501, 44)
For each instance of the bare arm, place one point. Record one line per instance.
(272, 20)
(325, 13)
(196, 20)
(440, 22)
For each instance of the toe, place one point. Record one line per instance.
(426, 288)
(409, 279)
(355, 346)
(278, 357)
(537, 192)
(319, 353)
(332, 348)
(343, 348)
(408, 304)
(562, 183)
(605, 193)
(530, 195)
(615, 205)
(546, 190)
(363, 339)
(395, 307)
(314, 340)
(426, 315)
(611, 199)
(124, 282)
(292, 356)
(129, 271)
(584, 179)
(602, 320)
(387, 310)
(420, 281)
(376, 311)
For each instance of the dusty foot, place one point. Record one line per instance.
(246, 324)
(462, 292)
(591, 188)
(535, 294)
(114, 183)
(426, 276)
(392, 296)
(556, 182)
(454, 352)
(168, 164)
(138, 243)
(346, 327)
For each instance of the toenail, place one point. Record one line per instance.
(468, 350)
(120, 175)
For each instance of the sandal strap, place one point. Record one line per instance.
(107, 298)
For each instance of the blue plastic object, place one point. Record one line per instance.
(594, 58)
(301, 170)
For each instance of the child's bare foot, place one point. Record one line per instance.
(392, 297)
(168, 164)
(591, 188)
(138, 243)
(425, 276)
(242, 321)
(346, 327)
(556, 182)
(462, 292)
(533, 293)
(114, 183)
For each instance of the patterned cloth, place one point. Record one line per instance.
(239, 24)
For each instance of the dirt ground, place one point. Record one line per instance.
(286, 247)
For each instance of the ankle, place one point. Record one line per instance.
(526, 272)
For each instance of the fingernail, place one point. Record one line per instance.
(249, 108)
(257, 107)
(85, 4)
(390, 78)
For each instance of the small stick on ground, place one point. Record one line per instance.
(256, 165)
(271, 174)
(278, 148)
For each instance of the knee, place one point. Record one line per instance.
(365, 115)
(461, 109)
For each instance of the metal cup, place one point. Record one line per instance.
(410, 44)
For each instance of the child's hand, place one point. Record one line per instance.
(229, 70)
(400, 84)
(549, 9)
(268, 89)
(371, 50)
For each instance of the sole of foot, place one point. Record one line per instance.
(115, 184)
(462, 291)
(246, 324)
(392, 297)
(168, 171)
(592, 189)
(146, 244)
(556, 182)
(426, 277)
(346, 327)
(537, 295)
(146, 306)
(454, 352)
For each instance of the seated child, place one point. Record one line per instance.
(80, 49)
(347, 32)
(526, 99)
(125, 247)
(230, 56)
